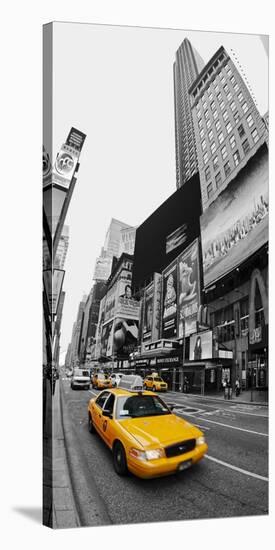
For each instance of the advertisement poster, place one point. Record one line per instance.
(156, 307)
(201, 346)
(189, 290)
(110, 303)
(148, 312)
(125, 336)
(236, 224)
(169, 295)
(107, 340)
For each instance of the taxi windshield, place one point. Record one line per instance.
(158, 379)
(137, 406)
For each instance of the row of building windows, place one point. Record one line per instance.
(232, 140)
(209, 74)
(226, 167)
(219, 97)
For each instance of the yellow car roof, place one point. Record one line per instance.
(122, 391)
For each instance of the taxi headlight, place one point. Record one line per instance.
(200, 440)
(136, 453)
(154, 454)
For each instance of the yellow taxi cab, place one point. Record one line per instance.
(101, 381)
(154, 382)
(143, 433)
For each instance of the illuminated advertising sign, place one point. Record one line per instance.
(169, 296)
(125, 336)
(201, 346)
(189, 290)
(148, 312)
(235, 225)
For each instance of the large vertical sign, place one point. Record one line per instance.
(156, 307)
(148, 313)
(169, 302)
(188, 290)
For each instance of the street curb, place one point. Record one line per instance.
(83, 487)
(222, 400)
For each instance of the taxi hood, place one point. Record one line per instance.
(154, 431)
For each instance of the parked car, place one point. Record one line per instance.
(155, 382)
(80, 379)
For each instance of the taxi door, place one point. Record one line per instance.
(96, 410)
(108, 425)
(149, 382)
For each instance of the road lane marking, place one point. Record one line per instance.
(92, 392)
(240, 470)
(233, 427)
(200, 426)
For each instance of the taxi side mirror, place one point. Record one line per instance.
(171, 406)
(107, 413)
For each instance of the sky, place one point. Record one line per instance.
(115, 84)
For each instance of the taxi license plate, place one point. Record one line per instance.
(184, 465)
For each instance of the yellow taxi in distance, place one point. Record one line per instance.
(154, 382)
(143, 434)
(101, 381)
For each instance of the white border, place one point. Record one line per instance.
(21, 284)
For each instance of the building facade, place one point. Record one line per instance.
(118, 321)
(187, 67)
(228, 126)
(113, 245)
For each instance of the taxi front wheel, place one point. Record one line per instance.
(120, 463)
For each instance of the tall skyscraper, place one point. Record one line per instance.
(110, 249)
(187, 67)
(228, 126)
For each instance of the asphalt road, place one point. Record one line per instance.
(231, 481)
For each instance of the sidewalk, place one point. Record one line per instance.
(58, 503)
(246, 397)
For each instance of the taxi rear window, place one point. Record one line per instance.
(136, 406)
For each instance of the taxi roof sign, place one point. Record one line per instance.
(131, 382)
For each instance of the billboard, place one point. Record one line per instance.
(107, 339)
(188, 290)
(111, 300)
(201, 346)
(156, 306)
(167, 232)
(148, 313)
(235, 225)
(169, 302)
(128, 307)
(125, 336)
(103, 268)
